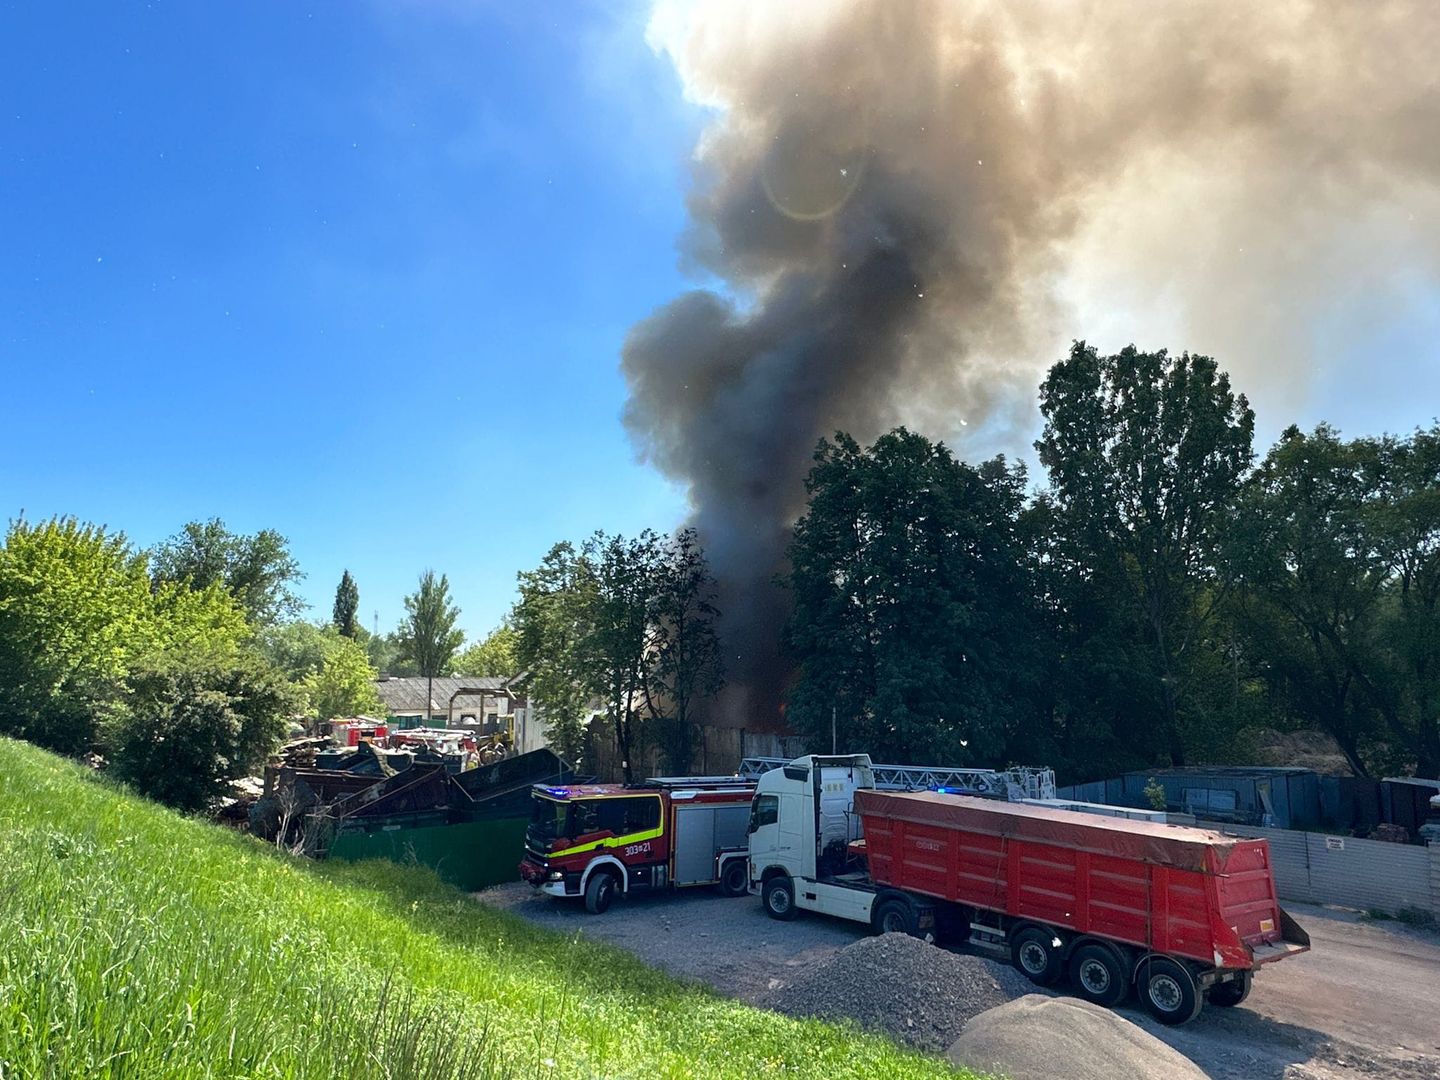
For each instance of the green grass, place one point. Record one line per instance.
(137, 943)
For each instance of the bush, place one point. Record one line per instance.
(186, 732)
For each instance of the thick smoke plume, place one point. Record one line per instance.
(911, 207)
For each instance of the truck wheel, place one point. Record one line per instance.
(1033, 951)
(735, 878)
(1168, 990)
(1231, 993)
(778, 896)
(896, 916)
(599, 892)
(1097, 975)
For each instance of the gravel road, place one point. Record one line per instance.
(1365, 1002)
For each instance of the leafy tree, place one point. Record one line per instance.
(683, 661)
(624, 573)
(428, 637)
(344, 684)
(910, 601)
(186, 732)
(297, 648)
(496, 656)
(1404, 519)
(74, 606)
(552, 624)
(1146, 454)
(347, 602)
(1311, 583)
(257, 570)
(76, 615)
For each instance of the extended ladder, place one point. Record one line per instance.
(1020, 782)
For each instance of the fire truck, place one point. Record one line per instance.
(598, 841)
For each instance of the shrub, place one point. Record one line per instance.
(186, 732)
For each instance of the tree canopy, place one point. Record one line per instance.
(496, 656)
(257, 570)
(347, 603)
(910, 601)
(428, 636)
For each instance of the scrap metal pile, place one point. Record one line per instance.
(322, 800)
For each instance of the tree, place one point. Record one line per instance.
(494, 657)
(347, 602)
(297, 648)
(552, 621)
(624, 572)
(187, 731)
(76, 615)
(683, 654)
(1309, 583)
(428, 637)
(911, 603)
(257, 570)
(1146, 454)
(1403, 516)
(344, 684)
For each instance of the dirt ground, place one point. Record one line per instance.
(1365, 1002)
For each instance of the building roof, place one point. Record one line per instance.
(407, 694)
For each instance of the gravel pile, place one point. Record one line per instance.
(898, 985)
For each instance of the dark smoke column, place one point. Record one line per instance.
(841, 200)
(896, 195)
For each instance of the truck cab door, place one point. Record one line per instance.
(764, 832)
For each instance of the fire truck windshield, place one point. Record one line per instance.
(547, 819)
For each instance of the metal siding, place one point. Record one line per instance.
(1289, 858)
(1370, 874)
(1363, 874)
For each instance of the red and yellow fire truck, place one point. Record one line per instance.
(599, 840)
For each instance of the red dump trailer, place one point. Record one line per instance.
(1184, 914)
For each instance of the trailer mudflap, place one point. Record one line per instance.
(1293, 939)
(1292, 932)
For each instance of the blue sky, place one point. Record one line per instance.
(359, 274)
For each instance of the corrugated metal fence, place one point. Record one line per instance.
(1318, 869)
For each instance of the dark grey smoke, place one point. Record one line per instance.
(904, 199)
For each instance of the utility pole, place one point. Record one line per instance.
(834, 748)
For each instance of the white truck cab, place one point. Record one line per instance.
(802, 821)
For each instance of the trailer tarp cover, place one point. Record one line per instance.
(1180, 846)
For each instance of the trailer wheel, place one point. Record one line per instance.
(1033, 951)
(778, 896)
(599, 892)
(896, 916)
(735, 878)
(1097, 975)
(1231, 993)
(1168, 990)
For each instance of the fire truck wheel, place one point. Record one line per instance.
(1034, 952)
(778, 896)
(1097, 975)
(599, 892)
(1168, 990)
(735, 878)
(1229, 994)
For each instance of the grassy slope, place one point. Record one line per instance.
(134, 942)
